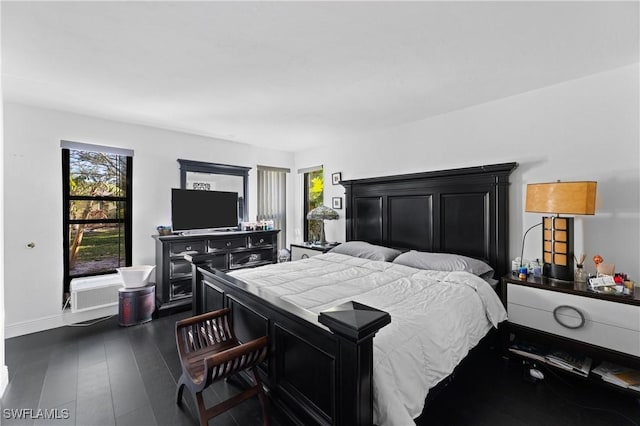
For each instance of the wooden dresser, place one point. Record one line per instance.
(224, 250)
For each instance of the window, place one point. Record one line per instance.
(313, 197)
(272, 199)
(96, 210)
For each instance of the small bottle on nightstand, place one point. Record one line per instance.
(580, 275)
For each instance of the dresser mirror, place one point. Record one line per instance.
(216, 177)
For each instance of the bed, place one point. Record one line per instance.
(321, 314)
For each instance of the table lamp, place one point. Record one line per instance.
(322, 213)
(575, 198)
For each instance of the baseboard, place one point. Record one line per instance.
(55, 321)
(4, 379)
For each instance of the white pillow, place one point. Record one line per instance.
(444, 262)
(366, 251)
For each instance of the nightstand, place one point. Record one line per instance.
(568, 316)
(306, 250)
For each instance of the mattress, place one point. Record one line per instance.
(436, 318)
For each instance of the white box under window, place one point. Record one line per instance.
(89, 293)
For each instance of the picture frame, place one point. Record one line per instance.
(336, 178)
(336, 203)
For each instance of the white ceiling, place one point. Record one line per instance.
(292, 75)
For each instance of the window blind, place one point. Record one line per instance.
(80, 146)
(310, 169)
(272, 199)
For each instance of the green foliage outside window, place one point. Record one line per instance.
(97, 191)
(315, 191)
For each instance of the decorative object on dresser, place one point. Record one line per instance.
(568, 318)
(322, 213)
(221, 250)
(164, 230)
(580, 275)
(307, 250)
(576, 198)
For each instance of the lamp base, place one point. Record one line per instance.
(323, 240)
(557, 251)
(557, 272)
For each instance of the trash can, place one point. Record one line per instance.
(136, 305)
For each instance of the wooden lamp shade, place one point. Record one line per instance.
(576, 198)
(562, 197)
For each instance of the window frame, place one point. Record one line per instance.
(127, 220)
(305, 205)
(306, 182)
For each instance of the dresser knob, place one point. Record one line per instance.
(188, 248)
(228, 243)
(570, 308)
(261, 240)
(304, 256)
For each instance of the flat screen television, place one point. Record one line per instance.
(197, 209)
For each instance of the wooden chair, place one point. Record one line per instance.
(209, 351)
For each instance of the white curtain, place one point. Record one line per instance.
(272, 199)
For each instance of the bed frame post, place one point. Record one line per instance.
(197, 291)
(355, 325)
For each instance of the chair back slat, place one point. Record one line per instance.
(227, 328)
(235, 365)
(212, 332)
(220, 330)
(198, 341)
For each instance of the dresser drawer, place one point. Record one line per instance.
(227, 243)
(179, 268)
(186, 247)
(180, 289)
(598, 322)
(250, 258)
(260, 240)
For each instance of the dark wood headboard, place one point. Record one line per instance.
(463, 211)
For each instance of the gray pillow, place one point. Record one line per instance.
(444, 262)
(366, 251)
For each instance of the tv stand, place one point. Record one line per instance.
(224, 250)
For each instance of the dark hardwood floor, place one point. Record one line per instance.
(110, 375)
(491, 390)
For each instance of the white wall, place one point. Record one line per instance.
(582, 129)
(585, 129)
(33, 197)
(4, 373)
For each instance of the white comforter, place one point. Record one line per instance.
(436, 318)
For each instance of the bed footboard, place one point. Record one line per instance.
(319, 368)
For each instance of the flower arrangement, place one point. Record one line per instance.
(597, 259)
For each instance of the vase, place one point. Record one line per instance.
(580, 275)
